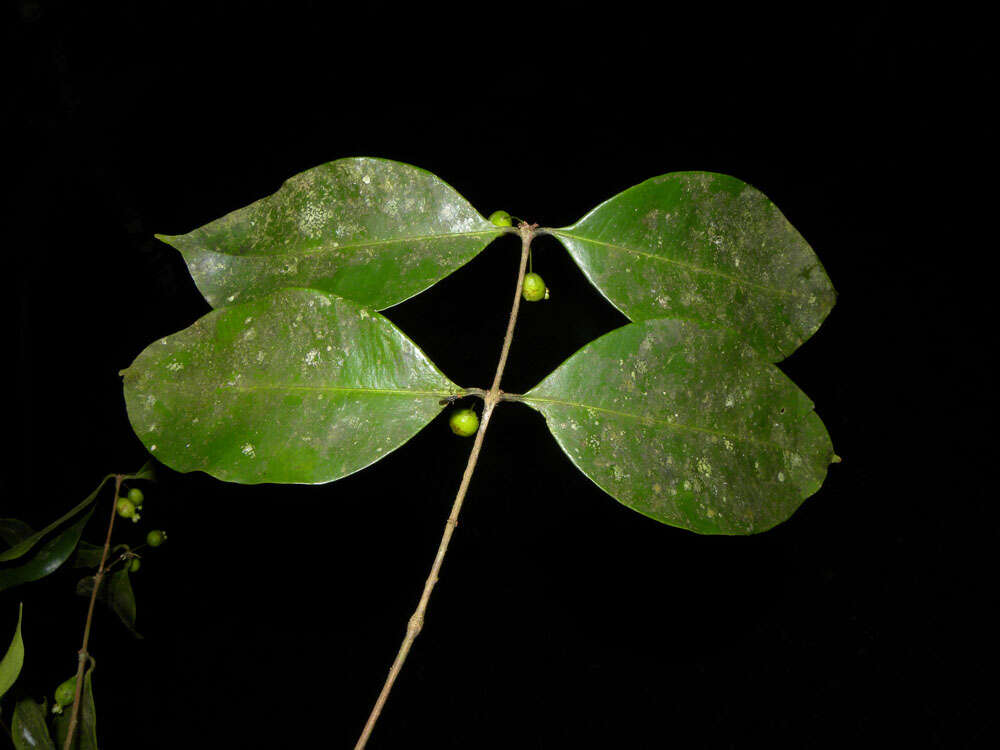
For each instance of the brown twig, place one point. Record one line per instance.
(490, 399)
(83, 655)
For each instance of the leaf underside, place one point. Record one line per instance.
(297, 387)
(709, 248)
(372, 230)
(687, 425)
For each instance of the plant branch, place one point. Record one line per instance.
(490, 399)
(83, 655)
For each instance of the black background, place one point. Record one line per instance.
(562, 618)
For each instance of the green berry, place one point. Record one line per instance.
(464, 422)
(534, 288)
(135, 495)
(65, 693)
(501, 219)
(134, 564)
(126, 508)
(156, 537)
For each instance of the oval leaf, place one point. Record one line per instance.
(13, 660)
(298, 387)
(688, 426)
(707, 247)
(372, 230)
(28, 729)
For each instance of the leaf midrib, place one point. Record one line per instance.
(319, 389)
(338, 389)
(690, 266)
(350, 245)
(647, 419)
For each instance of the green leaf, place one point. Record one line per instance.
(46, 558)
(147, 472)
(13, 531)
(298, 387)
(116, 593)
(26, 544)
(372, 230)
(687, 425)
(87, 555)
(28, 727)
(85, 737)
(13, 660)
(709, 248)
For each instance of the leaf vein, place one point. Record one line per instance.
(336, 389)
(690, 266)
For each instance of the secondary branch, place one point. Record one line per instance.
(83, 655)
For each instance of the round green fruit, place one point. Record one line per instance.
(534, 288)
(156, 537)
(66, 692)
(126, 508)
(501, 219)
(134, 564)
(464, 422)
(135, 495)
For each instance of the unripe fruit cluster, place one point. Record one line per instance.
(128, 509)
(129, 505)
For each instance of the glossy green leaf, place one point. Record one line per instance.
(28, 728)
(372, 230)
(26, 544)
(709, 248)
(85, 737)
(687, 425)
(116, 593)
(13, 660)
(297, 387)
(47, 557)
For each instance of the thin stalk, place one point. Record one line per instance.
(490, 399)
(83, 655)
